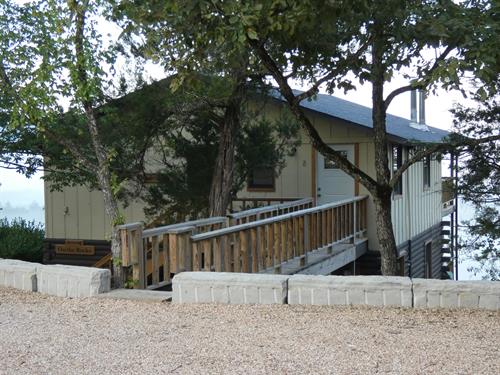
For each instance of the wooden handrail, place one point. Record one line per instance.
(269, 243)
(271, 220)
(274, 207)
(188, 224)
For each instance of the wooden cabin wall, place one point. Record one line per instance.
(418, 208)
(78, 213)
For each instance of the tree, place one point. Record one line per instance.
(53, 56)
(183, 183)
(479, 184)
(320, 42)
(176, 34)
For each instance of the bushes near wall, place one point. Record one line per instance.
(21, 239)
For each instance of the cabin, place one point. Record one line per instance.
(423, 203)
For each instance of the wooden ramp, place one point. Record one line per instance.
(295, 238)
(325, 261)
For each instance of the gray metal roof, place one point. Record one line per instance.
(361, 115)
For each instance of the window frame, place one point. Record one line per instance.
(395, 165)
(426, 172)
(251, 186)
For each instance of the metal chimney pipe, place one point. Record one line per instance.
(421, 115)
(413, 105)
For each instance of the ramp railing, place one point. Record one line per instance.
(249, 241)
(265, 212)
(268, 243)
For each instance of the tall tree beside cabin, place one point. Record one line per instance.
(69, 66)
(171, 36)
(183, 183)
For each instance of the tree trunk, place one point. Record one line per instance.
(385, 234)
(383, 194)
(222, 180)
(110, 203)
(103, 173)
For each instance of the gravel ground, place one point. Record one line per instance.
(49, 335)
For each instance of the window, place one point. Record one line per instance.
(428, 260)
(397, 161)
(261, 179)
(427, 172)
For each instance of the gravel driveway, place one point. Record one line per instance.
(49, 335)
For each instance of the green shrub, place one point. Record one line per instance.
(21, 239)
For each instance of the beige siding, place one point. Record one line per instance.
(77, 213)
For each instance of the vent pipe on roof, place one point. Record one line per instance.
(413, 105)
(420, 123)
(421, 114)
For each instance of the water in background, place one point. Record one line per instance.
(32, 212)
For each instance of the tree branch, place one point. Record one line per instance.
(313, 134)
(418, 85)
(440, 147)
(71, 147)
(314, 88)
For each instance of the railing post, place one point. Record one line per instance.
(140, 268)
(354, 226)
(133, 253)
(172, 245)
(155, 260)
(307, 246)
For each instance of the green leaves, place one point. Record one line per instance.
(252, 34)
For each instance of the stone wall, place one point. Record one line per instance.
(57, 280)
(237, 288)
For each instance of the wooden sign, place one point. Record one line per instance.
(75, 247)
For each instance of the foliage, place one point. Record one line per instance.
(479, 184)
(54, 59)
(21, 239)
(482, 242)
(480, 177)
(188, 161)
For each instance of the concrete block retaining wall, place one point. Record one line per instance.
(73, 281)
(18, 274)
(209, 287)
(467, 294)
(349, 290)
(229, 288)
(57, 280)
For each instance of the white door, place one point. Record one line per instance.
(332, 183)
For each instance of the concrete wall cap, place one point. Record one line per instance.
(375, 282)
(16, 262)
(230, 277)
(482, 286)
(73, 270)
